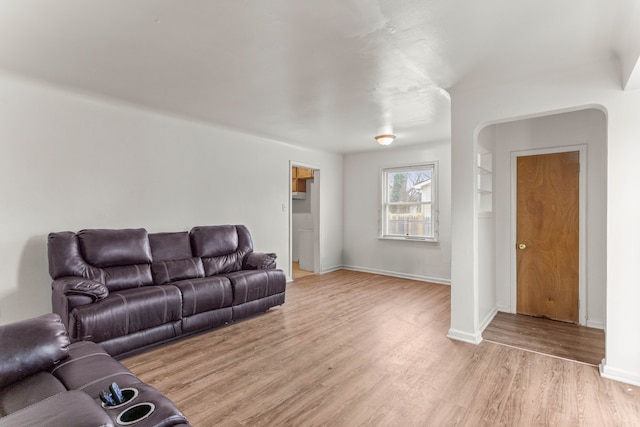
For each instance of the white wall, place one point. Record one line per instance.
(69, 161)
(586, 127)
(474, 107)
(362, 249)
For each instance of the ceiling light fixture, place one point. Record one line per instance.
(385, 139)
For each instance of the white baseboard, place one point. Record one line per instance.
(504, 309)
(488, 318)
(618, 374)
(595, 324)
(455, 334)
(331, 269)
(421, 278)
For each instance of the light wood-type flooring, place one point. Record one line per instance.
(297, 272)
(352, 349)
(546, 336)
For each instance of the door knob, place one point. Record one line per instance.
(522, 246)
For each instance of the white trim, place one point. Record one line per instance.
(503, 309)
(487, 320)
(331, 269)
(582, 250)
(410, 239)
(457, 335)
(597, 324)
(618, 374)
(436, 280)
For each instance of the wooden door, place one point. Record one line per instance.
(548, 235)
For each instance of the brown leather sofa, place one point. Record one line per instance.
(45, 380)
(128, 289)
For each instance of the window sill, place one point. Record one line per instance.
(410, 239)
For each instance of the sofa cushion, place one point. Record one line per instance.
(123, 277)
(200, 295)
(214, 240)
(172, 260)
(30, 346)
(111, 248)
(170, 246)
(221, 247)
(222, 264)
(179, 269)
(28, 391)
(66, 258)
(126, 311)
(250, 285)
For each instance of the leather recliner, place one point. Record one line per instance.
(45, 380)
(128, 289)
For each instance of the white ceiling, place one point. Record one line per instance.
(326, 74)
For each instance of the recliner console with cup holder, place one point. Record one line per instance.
(45, 380)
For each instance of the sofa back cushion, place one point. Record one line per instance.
(172, 260)
(221, 247)
(120, 259)
(170, 246)
(114, 248)
(31, 346)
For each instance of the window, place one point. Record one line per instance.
(409, 207)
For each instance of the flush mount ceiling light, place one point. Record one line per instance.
(385, 139)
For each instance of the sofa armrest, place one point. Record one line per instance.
(259, 261)
(79, 286)
(71, 292)
(31, 346)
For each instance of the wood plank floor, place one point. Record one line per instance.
(297, 272)
(546, 336)
(351, 349)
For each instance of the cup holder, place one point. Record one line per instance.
(135, 413)
(128, 393)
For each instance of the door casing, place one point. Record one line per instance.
(582, 256)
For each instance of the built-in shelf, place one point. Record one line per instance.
(484, 180)
(485, 162)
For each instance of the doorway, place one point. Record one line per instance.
(547, 232)
(304, 223)
(542, 268)
(583, 130)
(549, 258)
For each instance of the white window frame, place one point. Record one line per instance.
(383, 211)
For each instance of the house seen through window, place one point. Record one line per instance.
(409, 208)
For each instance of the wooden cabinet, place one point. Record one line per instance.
(299, 177)
(304, 173)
